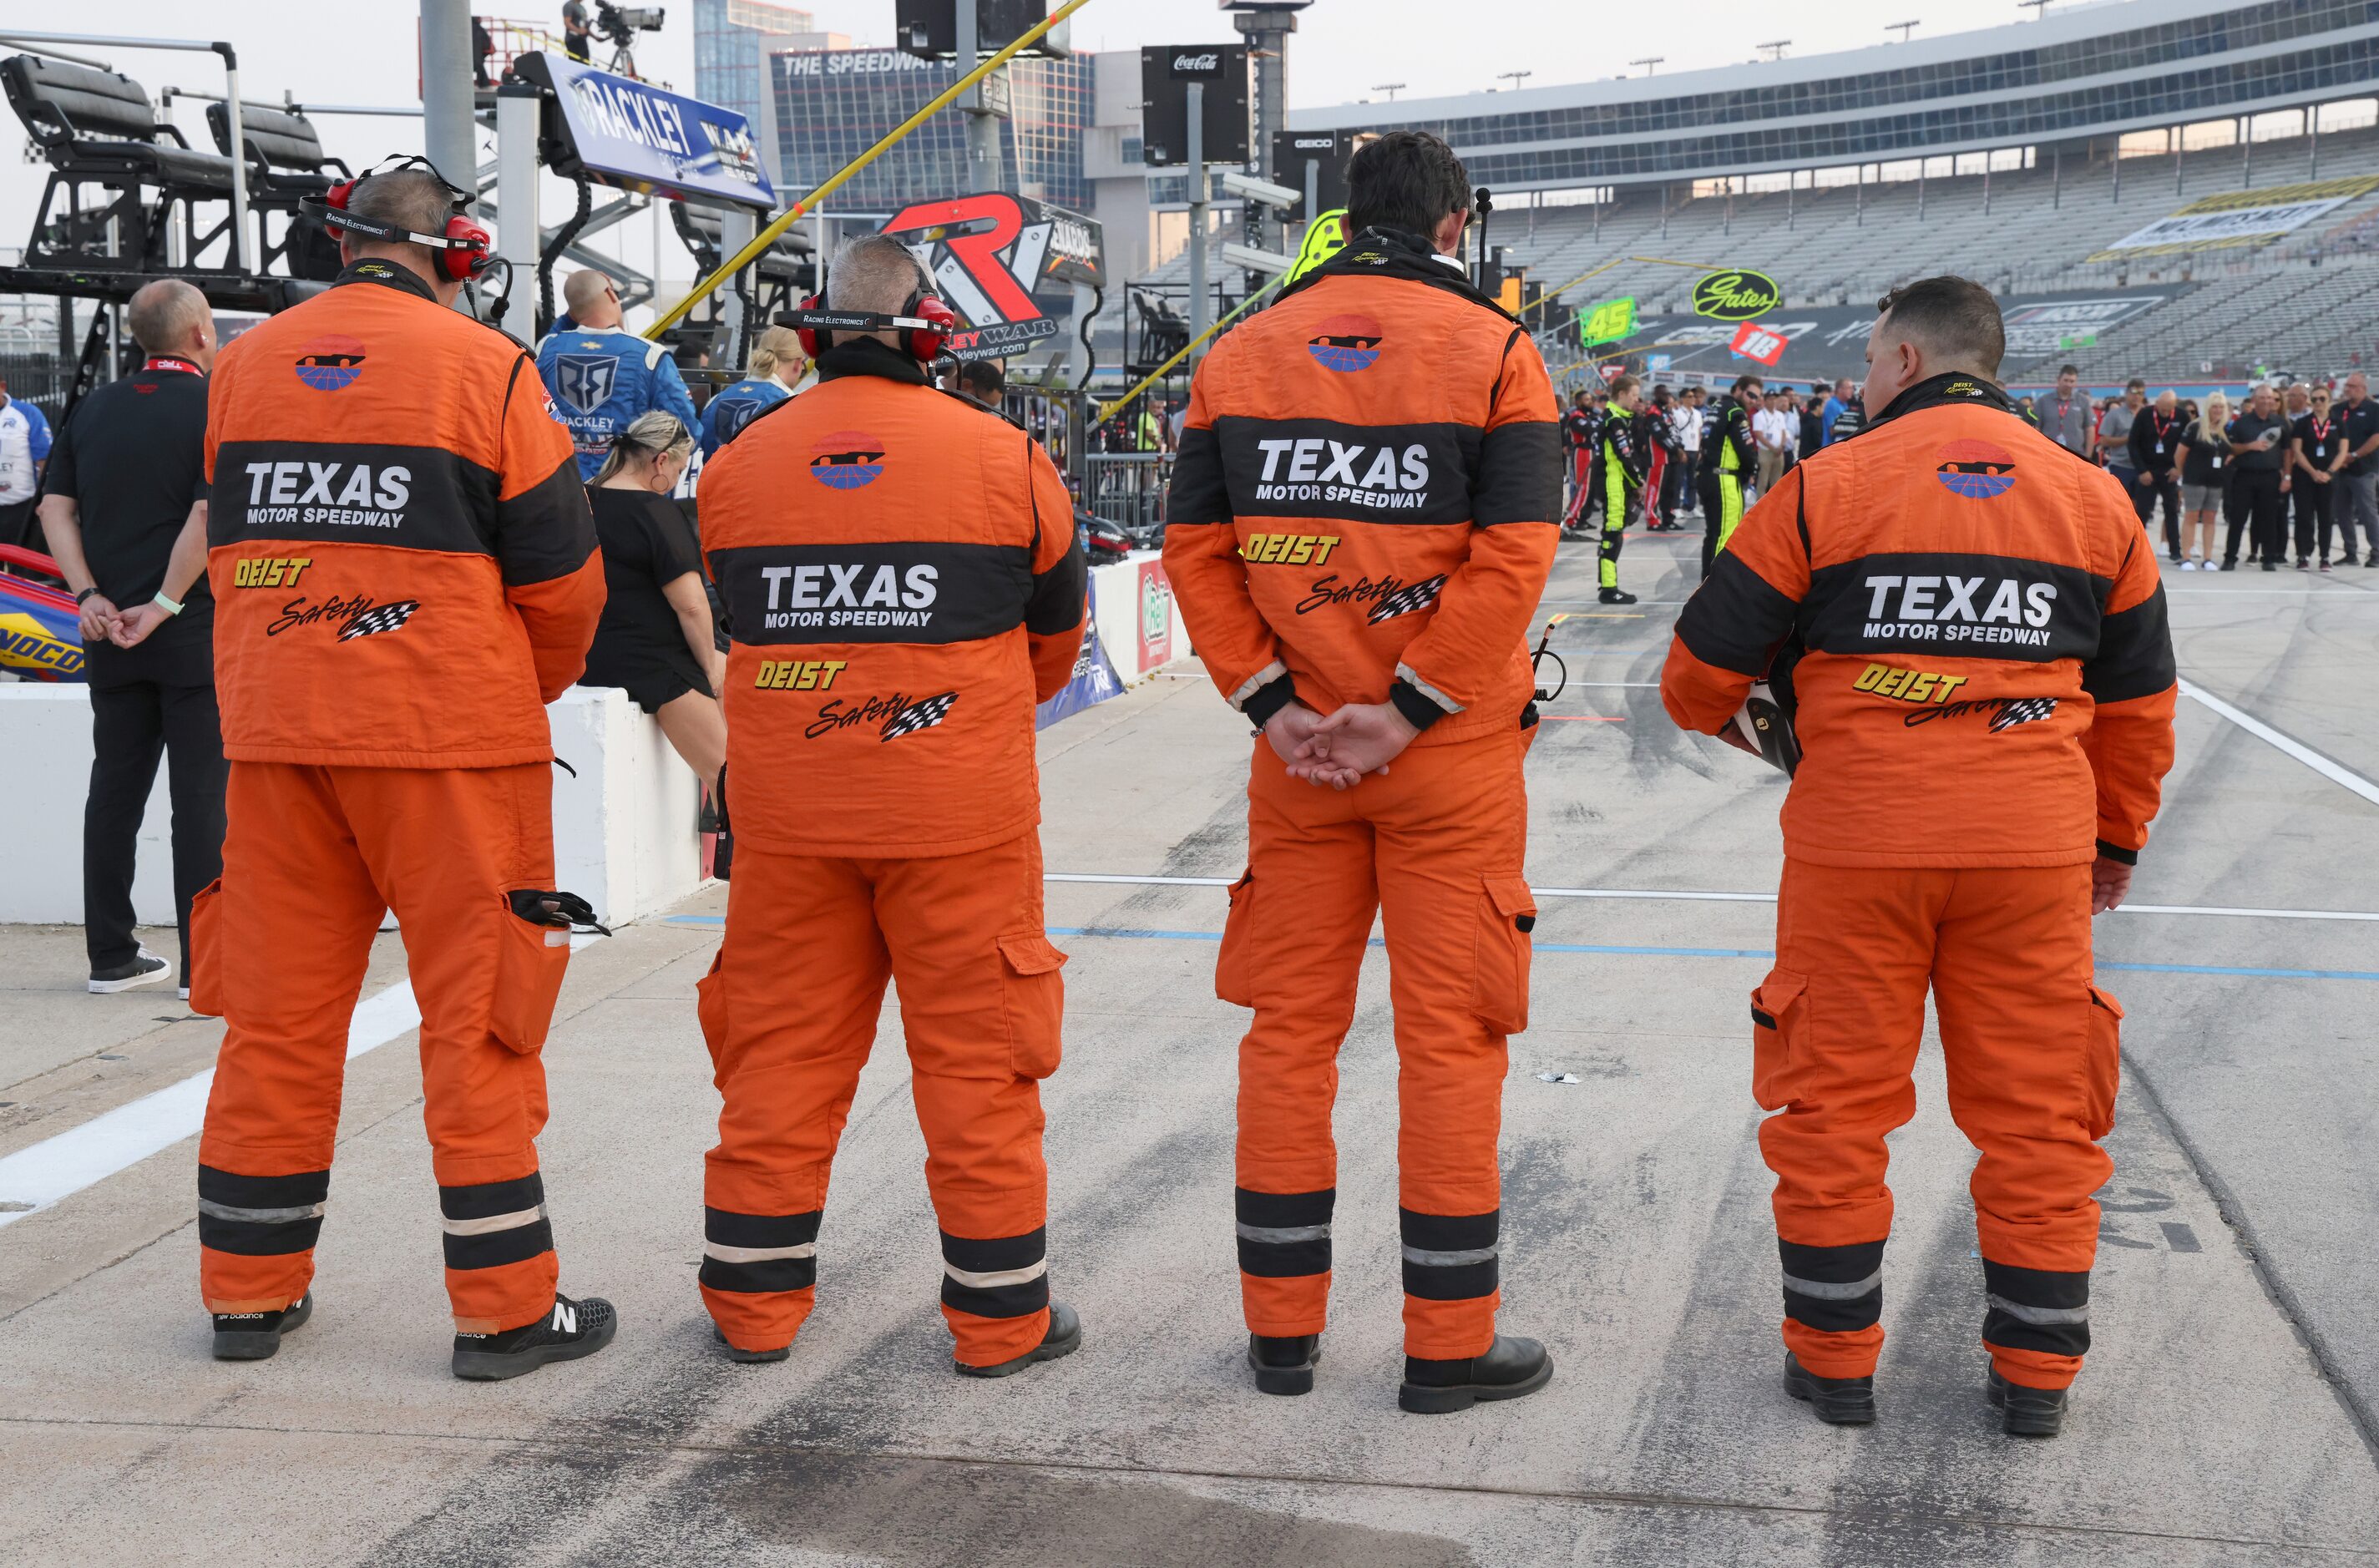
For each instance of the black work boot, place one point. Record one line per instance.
(1065, 1337)
(571, 1328)
(1283, 1363)
(737, 1352)
(1841, 1402)
(253, 1336)
(1616, 596)
(1510, 1370)
(2026, 1412)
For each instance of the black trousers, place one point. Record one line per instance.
(21, 526)
(2144, 502)
(1672, 487)
(130, 725)
(2256, 503)
(2314, 503)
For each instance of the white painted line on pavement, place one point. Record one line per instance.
(2335, 772)
(1673, 895)
(56, 1168)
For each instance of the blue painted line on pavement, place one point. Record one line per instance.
(1149, 934)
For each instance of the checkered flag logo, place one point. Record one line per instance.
(378, 619)
(919, 716)
(2023, 710)
(1405, 600)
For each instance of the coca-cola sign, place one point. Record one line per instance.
(1197, 64)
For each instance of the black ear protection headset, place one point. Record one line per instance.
(465, 250)
(924, 322)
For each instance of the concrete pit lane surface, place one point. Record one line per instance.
(2226, 1417)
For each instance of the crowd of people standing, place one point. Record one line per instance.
(2292, 475)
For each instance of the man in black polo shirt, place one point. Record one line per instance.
(125, 515)
(2260, 438)
(2358, 469)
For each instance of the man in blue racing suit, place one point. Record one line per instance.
(776, 366)
(602, 376)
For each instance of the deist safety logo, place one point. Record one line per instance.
(330, 362)
(847, 459)
(1976, 470)
(1346, 343)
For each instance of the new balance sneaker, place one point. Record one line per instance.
(1283, 1363)
(2026, 1412)
(1511, 1369)
(1616, 596)
(254, 1336)
(146, 968)
(1839, 1402)
(1065, 1337)
(571, 1330)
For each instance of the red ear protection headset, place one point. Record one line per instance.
(465, 250)
(924, 322)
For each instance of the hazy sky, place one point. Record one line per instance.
(348, 52)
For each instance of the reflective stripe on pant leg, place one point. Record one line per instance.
(1284, 1242)
(1833, 1306)
(981, 1005)
(2036, 1325)
(294, 919)
(499, 1252)
(1311, 859)
(789, 1015)
(257, 1234)
(1453, 1279)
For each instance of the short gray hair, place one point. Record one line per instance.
(408, 198)
(163, 314)
(874, 273)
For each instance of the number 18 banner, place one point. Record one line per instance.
(1756, 341)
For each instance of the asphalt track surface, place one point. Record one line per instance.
(2226, 1416)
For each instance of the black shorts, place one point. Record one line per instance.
(654, 689)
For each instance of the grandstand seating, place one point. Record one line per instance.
(2309, 303)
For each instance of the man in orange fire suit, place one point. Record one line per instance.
(405, 573)
(1363, 515)
(902, 585)
(1972, 631)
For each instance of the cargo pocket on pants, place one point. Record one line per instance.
(1779, 1012)
(710, 1011)
(528, 971)
(1499, 987)
(206, 950)
(2103, 1070)
(1234, 971)
(1033, 997)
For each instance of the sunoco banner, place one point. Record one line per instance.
(2240, 217)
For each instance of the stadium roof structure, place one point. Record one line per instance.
(2080, 72)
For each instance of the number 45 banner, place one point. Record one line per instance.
(1763, 344)
(1608, 321)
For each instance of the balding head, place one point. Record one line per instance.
(590, 298)
(170, 316)
(412, 199)
(875, 275)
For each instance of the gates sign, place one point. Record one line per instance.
(1737, 294)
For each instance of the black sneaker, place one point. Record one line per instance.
(254, 1336)
(737, 1352)
(2229, 566)
(2303, 563)
(1511, 1369)
(1839, 1402)
(1283, 1363)
(2371, 562)
(1065, 1337)
(2026, 1412)
(1616, 596)
(2271, 566)
(146, 968)
(571, 1330)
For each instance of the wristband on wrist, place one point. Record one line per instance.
(169, 606)
(92, 592)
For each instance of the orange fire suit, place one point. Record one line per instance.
(405, 573)
(902, 585)
(1971, 632)
(1365, 510)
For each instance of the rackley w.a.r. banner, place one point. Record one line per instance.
(989, 252)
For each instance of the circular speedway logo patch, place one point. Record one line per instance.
(848, 460)
(1346, 342)
(1976, 470)
(330, 362)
